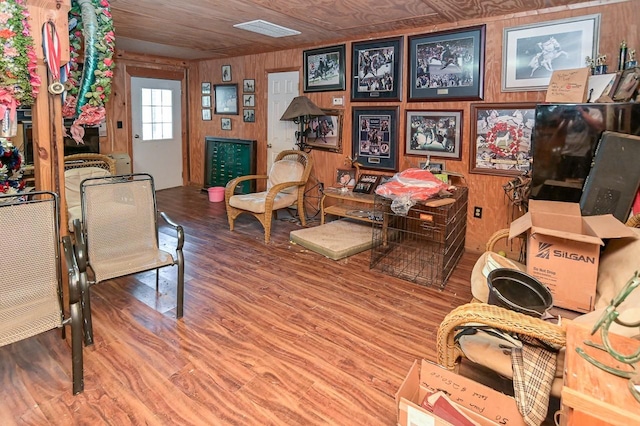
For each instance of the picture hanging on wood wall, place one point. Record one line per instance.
(248, 85)
(375, 68)
(434, 133)
(501, 138)
(532, 52)
(447, 65)
(325, 132)
(226, 73)
(324, 69)
(375, 137)
(226, 96)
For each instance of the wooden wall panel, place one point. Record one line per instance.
(618, 22)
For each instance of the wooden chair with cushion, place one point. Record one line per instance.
(78, 167)
(118, 235)
(31, 299)
(286, 182)
(618, 262)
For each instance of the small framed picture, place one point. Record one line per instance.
(325, 132)
(433, 167)
(206, 88)
(226, 73)
(249, 100)
(226, 96)
(249, 115)
(206, 114)
(627, 86)
(346, 178)
(225, 123)
(248, 85)
(366, 183)
(206, 101)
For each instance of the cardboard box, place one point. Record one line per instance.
(484, 405)
(563, 249)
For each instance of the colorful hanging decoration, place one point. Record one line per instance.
(19, 80)
(89, 86)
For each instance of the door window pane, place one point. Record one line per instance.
(157, 114)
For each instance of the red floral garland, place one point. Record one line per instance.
(515, 133)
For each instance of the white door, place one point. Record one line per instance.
(157, 130)
(281, 135)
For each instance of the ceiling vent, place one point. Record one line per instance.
(267, 28)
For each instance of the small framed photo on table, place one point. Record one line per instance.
(346, 178)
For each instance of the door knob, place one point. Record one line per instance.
(269, 145)
(136, 136)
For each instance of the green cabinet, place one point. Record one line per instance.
(226, 159)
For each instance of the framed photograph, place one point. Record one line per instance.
(206, 114)
(532, 52)
(248, 100)
(325, 132)
(226, 96)
(447, 65)
(226, 73)
(375, 137)
(627, 86)
(248, 85)
(205, 88)
(501, 138)
(249, 115)
(434, 133)
(324, 69)
(375, 67)
(206, 101)
(346, 178)
(225, 123)
(366, 183)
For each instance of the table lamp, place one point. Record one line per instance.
(300, 111)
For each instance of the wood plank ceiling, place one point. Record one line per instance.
(203, 29)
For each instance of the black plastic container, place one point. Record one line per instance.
(518, 291)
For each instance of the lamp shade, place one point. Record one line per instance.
(301, 106)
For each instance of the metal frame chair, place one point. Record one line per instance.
(118, 235)
(32, 297)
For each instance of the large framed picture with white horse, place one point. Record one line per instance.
(532, 52)
(324, 69)
(447, 65)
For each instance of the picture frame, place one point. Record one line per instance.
(366, 183)
(206, 101)
(627, 85)
(248, 85)
(225, 123)
(226, 73)
(447, 65)
(226, 97)
(435, 133)
(324, 69)
(248, 100)
(433, 167)
(325, 132)
(249, 115)
(501, 138)
(206, 115)
(532, 52)
(376, 70)
(205, 88)
(375, 137)
(346, 178)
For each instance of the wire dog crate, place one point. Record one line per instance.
(424, 245)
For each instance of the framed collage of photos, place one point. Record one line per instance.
(376, 69)
(324, 69)
(375, 137)
(434, 133)
(447, 65)
(501, 138)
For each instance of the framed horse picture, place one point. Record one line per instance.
(325, 132)
(447, 65)
(532, 52)
(434, 133)
(324, 69)
(375, 68)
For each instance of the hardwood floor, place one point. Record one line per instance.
(272, 335)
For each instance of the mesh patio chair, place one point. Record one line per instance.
(118, 235)
(78, 167)
(32, 301)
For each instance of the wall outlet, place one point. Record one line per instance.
(477, 212)
(338, 101)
